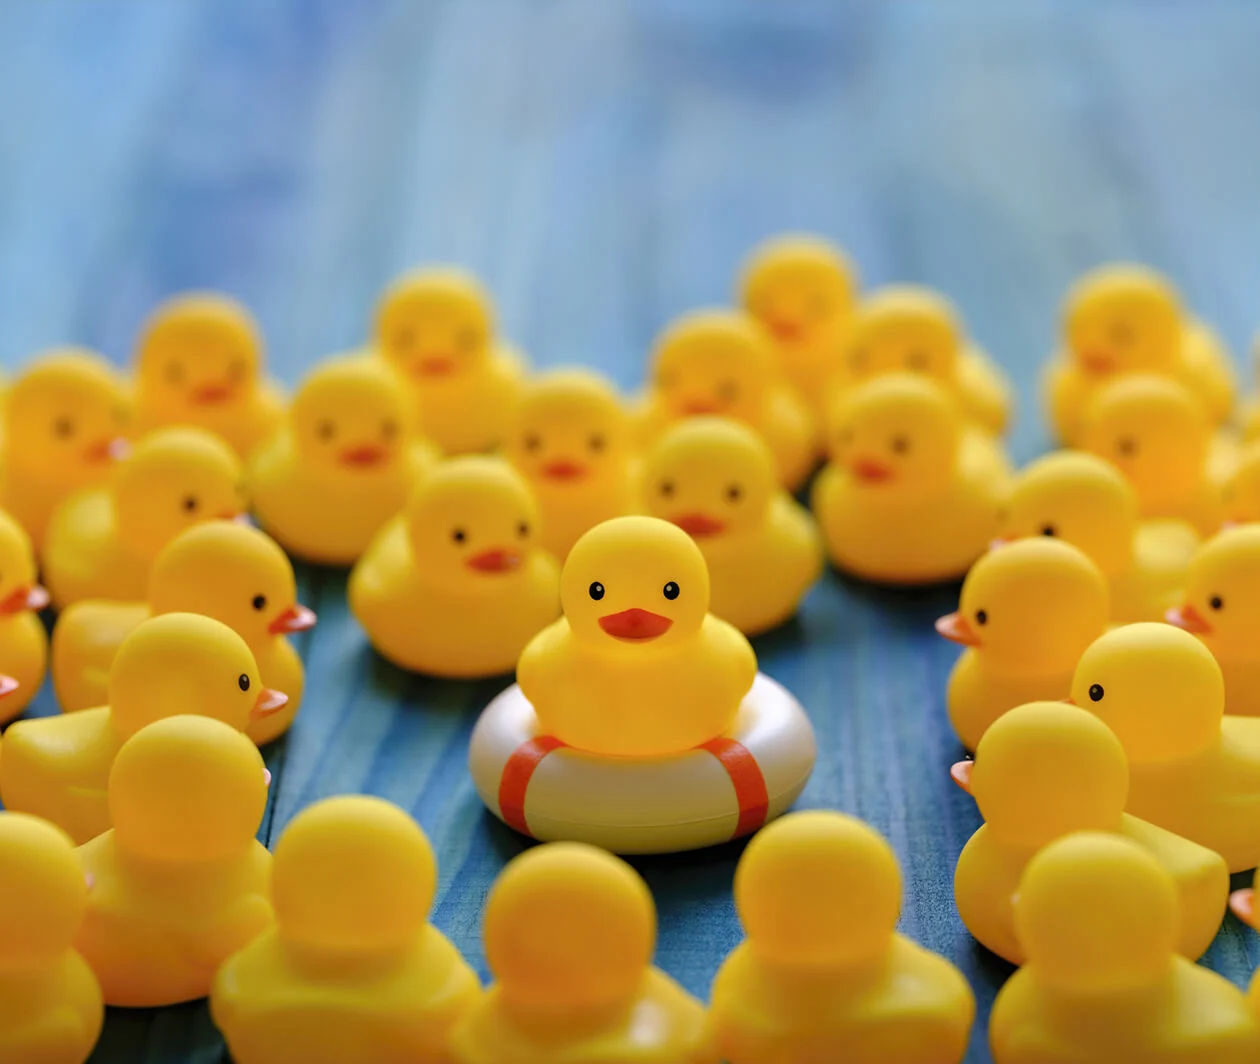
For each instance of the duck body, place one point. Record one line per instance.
(983, 391)
(1152, 584)
(51, 1015)
(24, 657)
(570, 509)
(980, 690)
(243, 423)
(83, 557)
(468, 412)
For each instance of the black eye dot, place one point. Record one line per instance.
(459, 535)
(1095, 692)
(236, 369)
(900, 444)
(727, 391)
(389, 428)
(174, 372)
(596, 443)
(1127, 446)
(670, 590)
(522, 529)
(734, 493)
(1121, 333)
(857, 358)
(1216, 602)
(63, 427)
(243, 681)
(403, 338)
(260, 602)
(917, 360)
(596, 591)
(667, 488)
(533, 441)
(325, 430)
(467, 339)
(190, 504)
(982, 617)
(1049, 530)
(846, 437)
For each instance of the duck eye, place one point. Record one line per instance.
(259, 602)
(900, 444)
(982, 617)
(459, 535)
(1048, 530)
(121, 416)
(533, 442)
(670, 591)
(596, 443)
(389, 428)
(522, 529)
(734, 493)
(63, 427)
(1121, 333)
(817, 304)
(243, 681)
(596, 591)
(846, 436)
(1095, 692)
(728, 391)
(917, 360)
(467, 339)
(1216, 602)
(236, 369)
(1127, 446)
(325, 430)
(857, 359)
(403, 338)
(190, 504)
(174, 373)
(667, 488)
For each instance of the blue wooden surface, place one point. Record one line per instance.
(604, 166)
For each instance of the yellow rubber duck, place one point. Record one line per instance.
(1027, 612)
(637, 666)
(101, 542)
(222, 569)
(570, 440)
(823, 975)
(343, 464)
(802, 290)
(456, 585)
(436, 326)
(179, 883)
(1241, 493)
(714, 478)
(569, 932)
(1086, 501)
(58, 767)
(908, 497)
(719, 362)
(352, 972)
(64, 423)
(1097, 917)
(23, 641)
(1043, 771)
(199, 362)
(1192, 770)
(1122, 319)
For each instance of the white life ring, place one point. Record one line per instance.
(722, 790)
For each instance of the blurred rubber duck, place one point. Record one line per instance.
(456, 584)
(179, 882)
(823, 974)
(199, 362)
(64, 423)
(569, 932)
(715, 479)
(910, 329)
(23, 641)
(101, 542)
(802, 289)
(1027, 612)
(50, 1003)
(1241, 493)
(343, 464)
(570, 440)
(719, 362)
(908, 497)
(1192, 770)
(436, 326)
(1086, 501)
(636, 640)
(1122, 319)
(1097, 917)
(223, 569)
(352, 972)
(58, 767)
(1042, 771)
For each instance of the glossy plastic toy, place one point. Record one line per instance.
(199, 362)
(223, 569)
(909, 497)
(823, 975)
(1045, 770)
(456, 584)
(179, 883)
(1097, 917)
(101, 542)
(436, 326)
(64, 422)
(639, 722)
(1027, 612)
(351, 972)
(343, 463)
(23, 641)
(179, 663)
(1241, 492)
(569, 932)
(715, 479)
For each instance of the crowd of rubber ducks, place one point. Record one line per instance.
(617, 552)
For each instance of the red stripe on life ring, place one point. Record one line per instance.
(750, 784)
(517, 773)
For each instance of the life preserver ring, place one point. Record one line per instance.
(727, 788)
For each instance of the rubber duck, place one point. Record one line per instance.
(50, 1003)
(179, 882)
(343, 463)
(436, 326)
(1155, 432)
(1097, 917)
(1123, 319)
(58, 767)
(64, 423)
(569, 932)
(719, 362)
(223, 569)
(1241, 493)
(1086, 501)
(906, 499)
(1027, 612)
(101, 542)
(23, 641)
(802, 289)
(456, 584)
(715, 479)
(351, 972)
(570, 440)
(199, 362)
(910, 329)
(823, 974)
(1192, 770)
(1045, 770)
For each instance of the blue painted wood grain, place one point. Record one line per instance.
(604, 166)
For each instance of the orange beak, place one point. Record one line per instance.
(297, 618)
(960, 773)
(497, 560)
(1095, 360)
(635, 625)
(435, 366)
(785, 329)
(269, 701)
(8, 685)
(211, 394)
(32, 597)
(113, 449)
(369, 454)
(871, 470)
(699, 525)
(957, 629)
(699, 407)
(564, 470)
(1242, 904)
(1189, 619)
